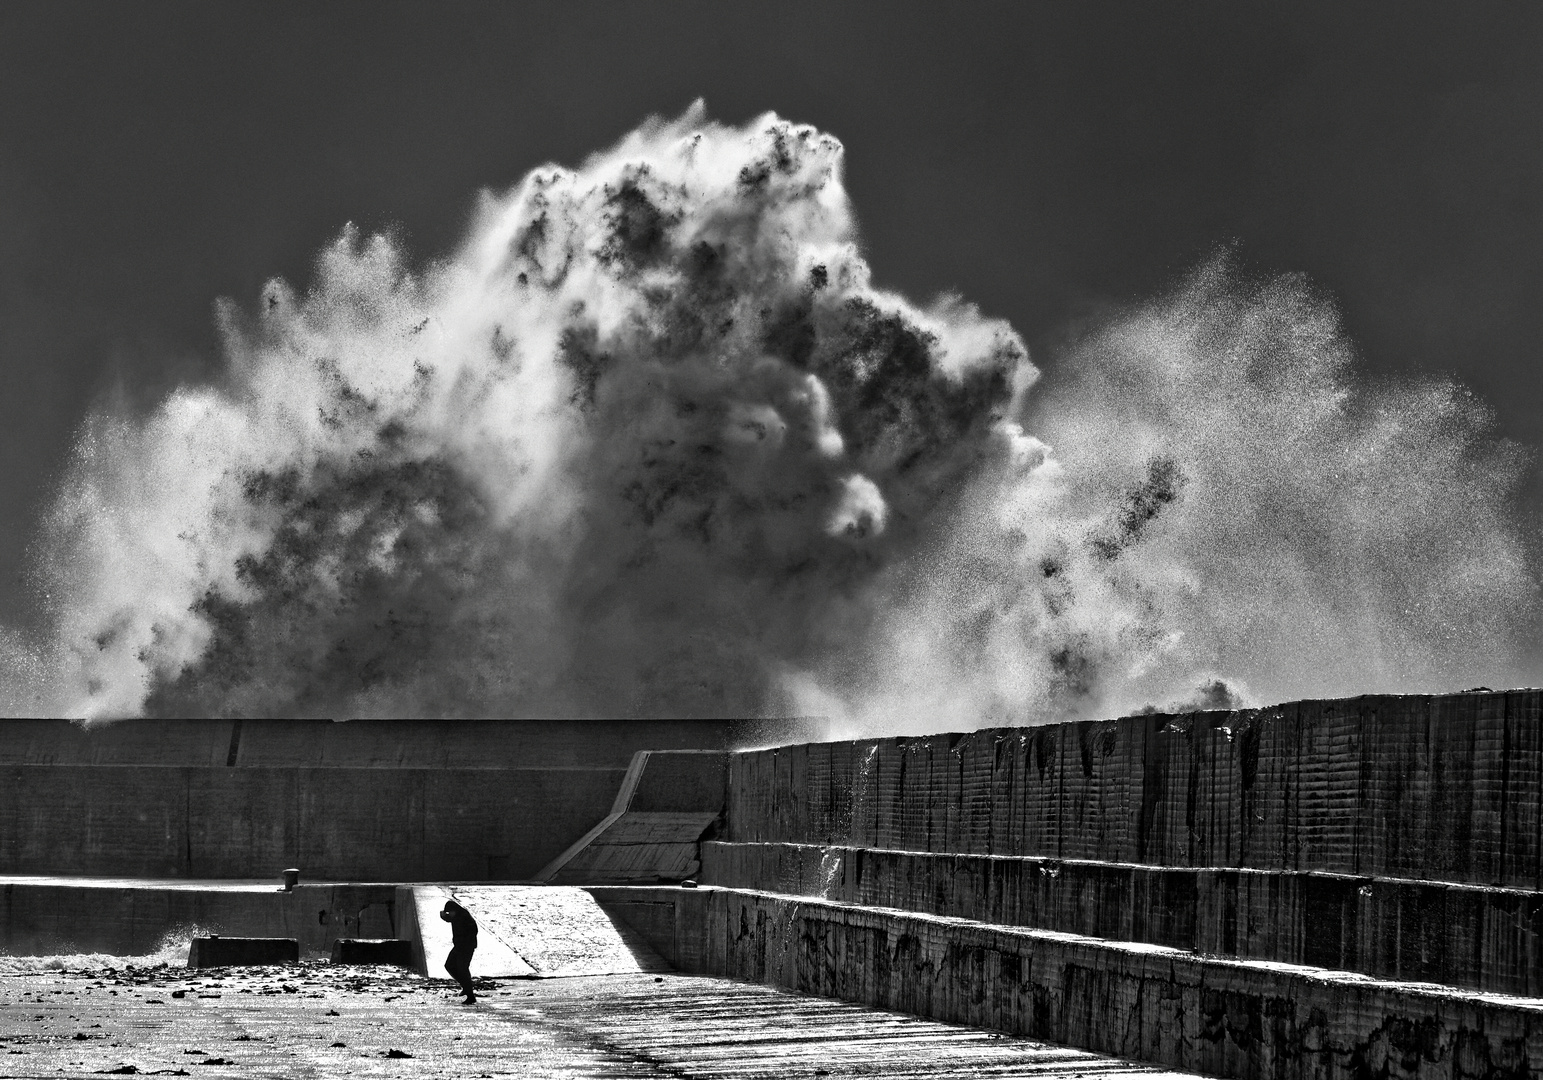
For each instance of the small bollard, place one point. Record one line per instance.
(291, 879)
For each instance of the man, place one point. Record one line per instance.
(463, 942)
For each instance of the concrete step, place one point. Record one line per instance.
(1460, 935)
(1221, 1017)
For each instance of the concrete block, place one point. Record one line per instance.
(242, 952)
(373, 951)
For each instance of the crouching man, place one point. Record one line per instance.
(463, 942)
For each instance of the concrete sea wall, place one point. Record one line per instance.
(1446, 788)
(1321, 889)
(1342, 889)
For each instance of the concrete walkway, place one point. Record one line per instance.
(317, 1020)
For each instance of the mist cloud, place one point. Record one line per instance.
(652, 443)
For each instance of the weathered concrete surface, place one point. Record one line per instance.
(368, 800)
(1461, 935)
(342, 1022)
(1211, 1015)
(1445, 788)
(668, 801)
(544, 932)
(40, 916)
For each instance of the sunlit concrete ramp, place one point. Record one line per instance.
(535, 931)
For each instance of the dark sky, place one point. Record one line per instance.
(1044, 160)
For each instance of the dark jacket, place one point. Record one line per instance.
(463, 928)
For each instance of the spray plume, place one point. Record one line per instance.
(652, 443)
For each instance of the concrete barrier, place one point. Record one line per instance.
(1222, 1017)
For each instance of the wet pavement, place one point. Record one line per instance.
(322, 1020)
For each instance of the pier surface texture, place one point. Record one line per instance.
(1322, 889)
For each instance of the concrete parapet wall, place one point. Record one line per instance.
(40, 917)
(1460, 935)
(1222, 1017)
(1447, 788)
(368, 799)
(364, 824)
(360, 744)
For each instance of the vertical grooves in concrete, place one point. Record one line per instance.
(235, 744)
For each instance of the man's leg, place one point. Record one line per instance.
(466, 982)
(458, 967)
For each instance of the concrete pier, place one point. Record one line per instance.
(1328, 889)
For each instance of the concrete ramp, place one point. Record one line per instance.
(669, 800)
(418, 908)
(524, 931)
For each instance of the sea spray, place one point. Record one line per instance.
(651, 442)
